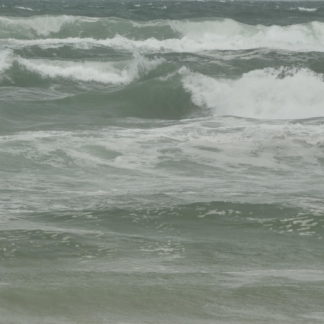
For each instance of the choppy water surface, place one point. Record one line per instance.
(161, 162)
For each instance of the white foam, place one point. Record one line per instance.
(5, 61)
(199, 36)
(307, 9)
(122, 72)
(272, 150)
(268, 93)
(229, 34)
(24, 8)
(102, 72)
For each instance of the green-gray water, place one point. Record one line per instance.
(161, 162)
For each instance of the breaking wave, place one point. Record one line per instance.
(102, 72)
(76, 26)
(307, 9)
(161, 36)
(268, 93)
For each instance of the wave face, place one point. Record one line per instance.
(266, 93)
(161, 161)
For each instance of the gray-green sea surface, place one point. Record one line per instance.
(161, 162)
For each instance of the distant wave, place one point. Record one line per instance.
(307, 9)
(24, 8)
(71, 26)
(101, 72)
(174, 36)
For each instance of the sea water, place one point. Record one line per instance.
(161, 162)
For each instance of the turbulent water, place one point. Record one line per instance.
(161, 162)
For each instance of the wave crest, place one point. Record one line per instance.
(269, 93)
(162, 36)
(115, 73)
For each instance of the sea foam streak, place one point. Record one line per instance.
(268, 93)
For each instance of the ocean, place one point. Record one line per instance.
(161, 162)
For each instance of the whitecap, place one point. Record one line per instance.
(115, 73)
(268, 93)
(307, 9)
(193, 36)
(24, 8)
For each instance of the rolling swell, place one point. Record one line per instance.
(196, 223)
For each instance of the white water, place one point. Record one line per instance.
(193, 36)
(307, 9)
(122, 204)
(122, 72)
(5, 61)
(265, 150)
(268, 93)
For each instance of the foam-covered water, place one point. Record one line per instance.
(266, 93)
(161, 162)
